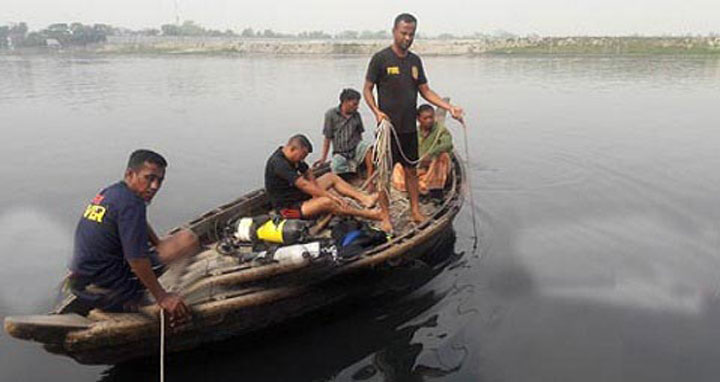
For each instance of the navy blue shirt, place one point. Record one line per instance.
(112, 230)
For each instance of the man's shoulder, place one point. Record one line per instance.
(413, 56)
(277, 160)
(274, 157)
(384, 53)
(119, 193)
(332, 112)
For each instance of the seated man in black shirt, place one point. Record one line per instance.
(295, 193)
(111, 251)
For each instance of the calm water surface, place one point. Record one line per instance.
(596, 181)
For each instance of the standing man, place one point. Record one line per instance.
(112, 263)
(399, 76)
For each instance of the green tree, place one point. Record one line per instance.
(150, 32)
(189, 28)
(379, 35)
(19, 29)
(348, 35)
(247, 32)
(268, 33)
(4, 33)
(170, 30)
(34, 39)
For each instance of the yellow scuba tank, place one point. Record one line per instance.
(263, 228)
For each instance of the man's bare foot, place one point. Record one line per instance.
(386, 226)
(369, 200)
(377, 214)
(418, 217)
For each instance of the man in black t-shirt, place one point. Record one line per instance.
(399, 76)
(111, 250)
(295, 192)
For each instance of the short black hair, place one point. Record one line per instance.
(349, 94)
(425, 108)
(301, 141)
(139, 157)
(406, 18)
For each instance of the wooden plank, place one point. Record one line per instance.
(70, 321)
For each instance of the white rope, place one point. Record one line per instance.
(470, 185)
(382, 156)
(382, 153)
(162, 345)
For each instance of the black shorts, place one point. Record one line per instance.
(409, 146)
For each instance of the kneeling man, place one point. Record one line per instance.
(295, 192)
(112, 261)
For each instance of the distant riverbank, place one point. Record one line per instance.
(547, 45)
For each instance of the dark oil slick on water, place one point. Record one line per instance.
(597, 191)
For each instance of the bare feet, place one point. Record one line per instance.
(369, 200)
(385, 225)
(418, 217)
(376, 214)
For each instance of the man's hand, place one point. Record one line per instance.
(379, 115)
(339, 201)
(177, 311)
(456, 112)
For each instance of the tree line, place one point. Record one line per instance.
(78, 34)
(19, 35)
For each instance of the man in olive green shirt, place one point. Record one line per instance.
(434, 149)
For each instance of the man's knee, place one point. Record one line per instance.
(327, 180)
(323, 205)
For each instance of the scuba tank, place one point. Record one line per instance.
(263, 228)
(297, 254)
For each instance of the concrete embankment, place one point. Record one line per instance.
(548, 45)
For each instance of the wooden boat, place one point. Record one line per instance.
(231, 295)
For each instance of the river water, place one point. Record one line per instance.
(597, 202)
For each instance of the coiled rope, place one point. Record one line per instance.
(382, 153)
(382, 156)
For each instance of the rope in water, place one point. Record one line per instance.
(469, 184)
(162, 345)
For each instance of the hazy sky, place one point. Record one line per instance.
(545, 17)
